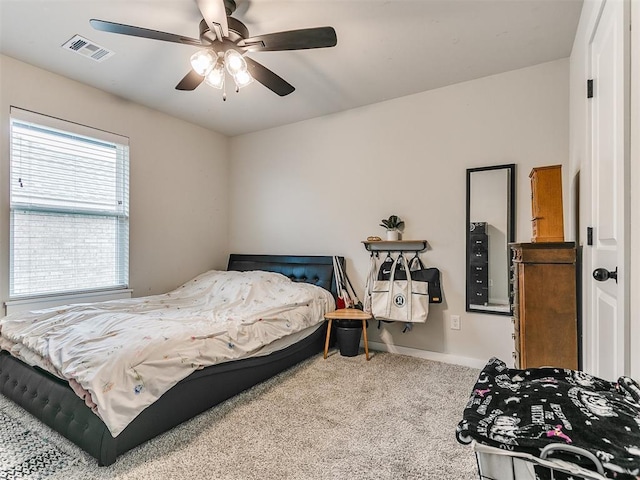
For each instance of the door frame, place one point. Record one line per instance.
(634, 243)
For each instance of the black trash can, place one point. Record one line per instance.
(348, 335)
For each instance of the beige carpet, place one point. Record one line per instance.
(393, 417)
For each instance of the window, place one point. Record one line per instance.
(69, 207)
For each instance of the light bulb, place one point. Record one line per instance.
(234, 62)
(243, 78)
(203, 61)
(215, 77)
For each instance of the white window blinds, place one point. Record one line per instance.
(69, 207)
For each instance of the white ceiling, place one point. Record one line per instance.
(386, 49)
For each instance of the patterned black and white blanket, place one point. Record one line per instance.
(525, 410)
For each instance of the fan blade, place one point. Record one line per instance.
(112, 27)
(319, 37)
(269, 79)
(190, 81)
(215, 14)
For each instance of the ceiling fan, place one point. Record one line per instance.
(225, 42)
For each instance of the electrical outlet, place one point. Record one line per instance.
(455, 322)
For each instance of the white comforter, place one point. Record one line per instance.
(126, 353)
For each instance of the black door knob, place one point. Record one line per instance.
(602, 274)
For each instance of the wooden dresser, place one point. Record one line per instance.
(544, 302)
(547, 222)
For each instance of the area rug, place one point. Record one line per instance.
(24, 454)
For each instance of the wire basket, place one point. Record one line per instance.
(498, 464)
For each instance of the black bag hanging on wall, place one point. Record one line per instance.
(421, 273)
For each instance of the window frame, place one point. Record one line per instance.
(121, 178)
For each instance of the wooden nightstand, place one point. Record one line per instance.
(349, 314)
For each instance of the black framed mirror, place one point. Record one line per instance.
(490, 227)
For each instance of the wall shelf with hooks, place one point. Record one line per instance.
(395, 245)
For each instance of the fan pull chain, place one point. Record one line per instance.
(224, 92)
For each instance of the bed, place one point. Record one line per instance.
(53, 401)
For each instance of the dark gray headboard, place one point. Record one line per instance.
(314, 269)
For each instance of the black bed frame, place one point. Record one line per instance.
(51, 400)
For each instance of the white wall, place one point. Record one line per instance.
(323, 185)
(179, 174)
(319, 186)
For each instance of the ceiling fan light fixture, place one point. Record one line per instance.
(215, 77)
(203, 61)
(243, 78)
(234, 62)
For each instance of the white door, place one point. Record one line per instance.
(606, 324)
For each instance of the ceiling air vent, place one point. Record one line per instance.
(87, 48)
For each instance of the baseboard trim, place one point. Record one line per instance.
(435, 356)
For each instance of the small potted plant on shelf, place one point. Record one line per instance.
(394, 226)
